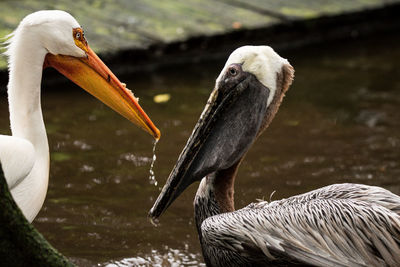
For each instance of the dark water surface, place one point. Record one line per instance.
(340, 122)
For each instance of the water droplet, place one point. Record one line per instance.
(152, 177)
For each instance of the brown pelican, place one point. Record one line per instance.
(337, 225)
(51, 39)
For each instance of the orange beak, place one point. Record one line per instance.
(95, 77)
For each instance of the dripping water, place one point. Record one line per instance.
(152, 177)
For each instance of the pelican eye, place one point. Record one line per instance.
(79, 39)
(233, 70)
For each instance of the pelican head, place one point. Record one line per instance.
(246, 97)
(57, 39)
(43, 39)
(54, 31)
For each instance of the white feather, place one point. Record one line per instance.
(24, 156)
(261, 61)
(18, 157)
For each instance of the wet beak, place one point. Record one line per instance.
(236, 113)
(95, 77)
(220, 138)
(181, 177)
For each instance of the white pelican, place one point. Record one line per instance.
(51, 38)
(337, 225)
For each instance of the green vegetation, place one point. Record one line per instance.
(123, 24)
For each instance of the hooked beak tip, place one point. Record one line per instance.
(157, 134)
(153, 220)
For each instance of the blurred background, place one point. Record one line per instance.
(339, 122)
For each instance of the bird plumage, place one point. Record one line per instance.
(50, 38)
(25, 155)
(338, 225)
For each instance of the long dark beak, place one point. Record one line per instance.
(226, 129)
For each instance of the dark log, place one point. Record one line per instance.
(20, 243)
